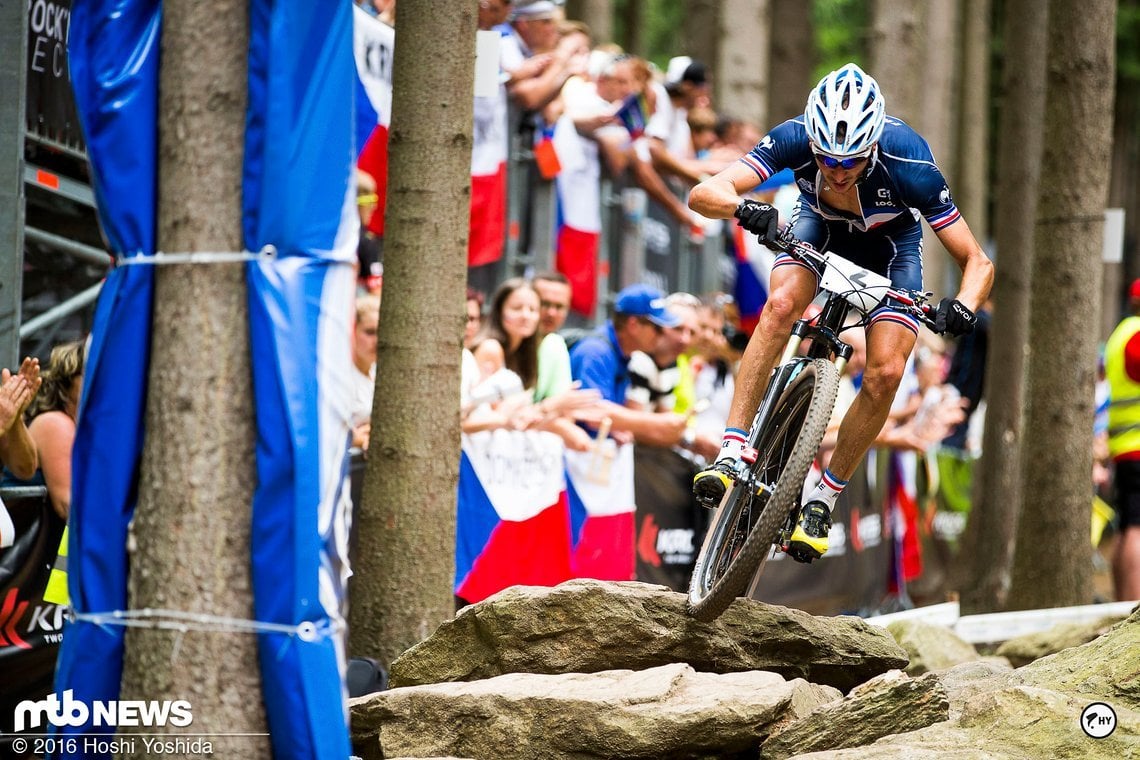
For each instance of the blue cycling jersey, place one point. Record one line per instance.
(900, 183)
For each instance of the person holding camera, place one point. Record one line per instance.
(866, 180)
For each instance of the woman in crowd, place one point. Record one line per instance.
(509, 340)
(53, 414)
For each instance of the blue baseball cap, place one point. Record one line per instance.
(645, 301)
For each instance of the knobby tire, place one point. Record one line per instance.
(787, 448)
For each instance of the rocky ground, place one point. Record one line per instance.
(618, 670)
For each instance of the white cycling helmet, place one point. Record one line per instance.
(845, 112)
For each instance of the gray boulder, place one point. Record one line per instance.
(930, 647)
(670, 711)
(1025, 649)
(586, 626)
(893, 703)
(1033, 712)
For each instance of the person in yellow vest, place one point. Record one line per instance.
(1122, 370)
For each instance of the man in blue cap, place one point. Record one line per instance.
(600, 361)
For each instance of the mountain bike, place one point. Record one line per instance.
(758, 513)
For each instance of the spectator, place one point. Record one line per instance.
(510, 336)
(600, 361)
(641, 166)
(717, 349)
(509, 341)
(1122, 369)
(17, 450)
(52, 417)
(364, 331)
(474, 317)
(670, 140)
(370, 248)
(655, 375)
(535, 63)
(553, 290)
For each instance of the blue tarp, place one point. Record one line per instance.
(297, 198)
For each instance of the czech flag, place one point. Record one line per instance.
(373, 45)
(513, 524)
(600, 487)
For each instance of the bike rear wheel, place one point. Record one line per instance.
(746, 524)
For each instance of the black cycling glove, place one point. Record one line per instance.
(760, 219)
(953, 317)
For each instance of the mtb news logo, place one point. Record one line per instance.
(129, 712)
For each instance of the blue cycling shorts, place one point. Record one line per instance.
(893, 250)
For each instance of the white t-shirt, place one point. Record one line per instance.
(363, 386)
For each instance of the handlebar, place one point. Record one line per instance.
(917, 303)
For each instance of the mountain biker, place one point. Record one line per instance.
(865, 179)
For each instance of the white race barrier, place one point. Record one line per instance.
(1002, 626)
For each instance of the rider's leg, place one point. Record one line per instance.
(793, 288)
(888, 346)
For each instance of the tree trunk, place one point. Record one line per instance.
(971, 181)
(992, 525)
(1052, 560)
(937, 117)
(700, 37)
(633, 27)
(402, 587)
(897, 38)
(742, 86)
(791, 66)
(596, 14)
(191, 532)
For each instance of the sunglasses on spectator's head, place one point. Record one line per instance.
(842, 163)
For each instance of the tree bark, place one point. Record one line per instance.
(190, 540)
(633, 27)
(1052, 560)
(993, 519)
(936, 121)
(596, 14)
(742, 87)
(402, 587)
(792, 59)
(971, 181)
(897, 37)
(700, 37)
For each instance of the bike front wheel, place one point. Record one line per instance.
(748, 520)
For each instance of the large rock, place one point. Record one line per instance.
(1107, 668)
(588, 626)
(1025, 649)
(930, 647)
(1015, 723)
(670, 711)
(892, 703)
(1032, 712)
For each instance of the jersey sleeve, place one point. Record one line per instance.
(930, 194)
(779, 149)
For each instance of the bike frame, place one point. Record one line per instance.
(823, 332)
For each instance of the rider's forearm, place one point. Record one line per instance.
(715, 198)
(977, 279)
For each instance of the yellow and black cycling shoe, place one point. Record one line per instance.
(710, 484)
(809, 539)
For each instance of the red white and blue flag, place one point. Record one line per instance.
(513, 523)
(600, 487)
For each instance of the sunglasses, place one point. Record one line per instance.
(843, 163)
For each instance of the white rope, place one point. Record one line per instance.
(178, 620)
(198, 257)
